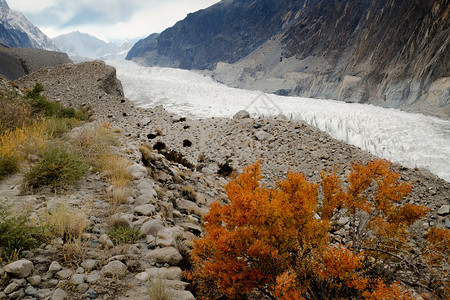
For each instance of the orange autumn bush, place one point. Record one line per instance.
(277, 241)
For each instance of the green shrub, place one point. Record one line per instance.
(124, 235)
(57, 127)
(9, 164)
(57, 168)
(42, 106)
(16, 235)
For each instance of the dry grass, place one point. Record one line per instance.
(116, 173)
(158, 290)
(67, 223)
(24, 141)
(94, 142)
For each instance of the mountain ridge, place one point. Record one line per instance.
(17, 31)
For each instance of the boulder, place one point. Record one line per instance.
(145, 210)
(168, 255)
(444, 210)
(20, 268)
(114, 269)
(64, 274)
(152, 227)
(171, 273)
(242, 114)
(137, 171)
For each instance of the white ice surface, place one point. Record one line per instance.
(409, 139)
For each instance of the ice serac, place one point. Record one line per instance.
(392, 53)
(17, 31)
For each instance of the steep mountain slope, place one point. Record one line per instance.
(226, 31)
(392, 53)
(17, 31)
(17, 62)
(78, 44)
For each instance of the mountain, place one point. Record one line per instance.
(226, 31)
(83, 45)
(17, 62)
(391, 53)
(17, 31)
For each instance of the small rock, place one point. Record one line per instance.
(262, 135)
(34, 280)
(20, 268)
(137, 171)
(144, 121)
(89, 264)
(444, 210)
(171, 273)
(106, 241)
(54, 267)
(59, 294)
(77, 279)
(165, 238)
(142, 276)
(93, 277)
(257, 125)
(152, 227)
(114, 269)
(144, 199)
(182, 295)
(12, 287)
(91, 294)
(447, 223)
(82, 288)
(195, 229)
(150, 239)
(168, 255)
(31, 291)
(64, 274)
(20, 294)
(145, 210)
(343, 221)
(240, 115)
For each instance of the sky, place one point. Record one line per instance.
(109, 20)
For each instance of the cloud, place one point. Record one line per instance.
(107, 19)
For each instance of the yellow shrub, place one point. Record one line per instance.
(24, 141)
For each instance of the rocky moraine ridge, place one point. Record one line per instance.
(167, 200)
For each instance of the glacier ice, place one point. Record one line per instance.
(413, 140)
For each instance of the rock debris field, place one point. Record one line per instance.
(167, 201)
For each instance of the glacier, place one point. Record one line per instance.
(413, 140)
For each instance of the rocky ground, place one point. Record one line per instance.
(162, 202)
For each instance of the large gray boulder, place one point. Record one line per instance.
(168, 255)
(20, 268)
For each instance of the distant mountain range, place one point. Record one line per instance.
(393, 53)
(82, 45)
(17, 31)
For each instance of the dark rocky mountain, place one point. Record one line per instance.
(17, 62)
(17, 31)
(392, 53)
(226, 31)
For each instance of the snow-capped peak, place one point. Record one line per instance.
(17, 27)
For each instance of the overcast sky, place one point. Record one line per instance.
(110, 20)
